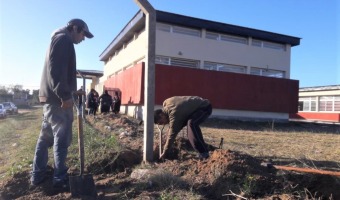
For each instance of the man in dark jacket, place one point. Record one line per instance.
(181, 111)
(58, 82)
(105, 102)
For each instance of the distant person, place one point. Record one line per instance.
(116, 103)
(90, 102)
(80, 99)
(58, 82)
(181, 111)
(105, 102)
(95, 102)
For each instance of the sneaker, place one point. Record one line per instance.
(203, 156)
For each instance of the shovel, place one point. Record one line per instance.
(82, 185)
(160, 140)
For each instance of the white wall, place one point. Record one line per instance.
(201, 48)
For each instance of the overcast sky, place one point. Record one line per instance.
(26, 27)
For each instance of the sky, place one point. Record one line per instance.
(26, 27)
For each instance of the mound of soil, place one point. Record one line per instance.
(224, 175)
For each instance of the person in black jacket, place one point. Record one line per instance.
(58, 84)
(105, 102)
(116, 103)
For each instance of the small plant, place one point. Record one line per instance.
(249, 184)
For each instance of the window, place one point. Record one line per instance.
(270, 45)
(235, 39)
(162, 60)
(213, 36)
(177, 62)
(227, 38)
(186, 31)
(337, 103)
(273, 45)
(184, 62)
(163, 27)
(307, 104)
(224, 67)
(329, 103)
(267, 72)
(178, 29)
(256, 43)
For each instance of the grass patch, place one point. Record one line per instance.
(18, 135)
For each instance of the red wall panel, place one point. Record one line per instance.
(130, 83)
(335, 117)
(228, 90)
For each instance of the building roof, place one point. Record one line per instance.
(320, 88)
(182, 20)
(137, 23)
(89, 74)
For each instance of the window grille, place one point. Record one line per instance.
(184, 62)
(270, 45)
(267, 72)
(235, 39)
(211, 35)
(257, 43)
(273, 45)
(337, 103)
(163, 27)
(307, 104)
(329, 103)
(186, 31)
(177, 62)
(162, 60)
(224, 67)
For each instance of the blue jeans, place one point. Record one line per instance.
(56, 131)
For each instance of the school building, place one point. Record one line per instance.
(244, 72)
(320, 103)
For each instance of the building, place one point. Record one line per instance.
(244, 72)
(321, 103)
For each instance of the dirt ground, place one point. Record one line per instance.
(225, 174)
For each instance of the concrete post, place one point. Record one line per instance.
(149, 79)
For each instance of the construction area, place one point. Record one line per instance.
(227, 174)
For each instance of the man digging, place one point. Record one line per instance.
(181, 111)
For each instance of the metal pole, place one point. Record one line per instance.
(149, 80)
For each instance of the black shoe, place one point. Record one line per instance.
(63, 185)
(36, 183)
(203, 156)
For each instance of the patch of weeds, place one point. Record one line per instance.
(20, 166)
(249, 184)
(165, 195)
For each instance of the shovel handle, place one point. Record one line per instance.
(81, 143)
(80, 132)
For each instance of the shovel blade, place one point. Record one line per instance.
(82, 185)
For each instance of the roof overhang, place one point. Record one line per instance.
(89, 74)
(136, 24)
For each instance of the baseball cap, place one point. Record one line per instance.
(82, 24)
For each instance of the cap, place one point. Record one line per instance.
(80, 23)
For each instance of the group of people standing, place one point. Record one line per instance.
(105, 101)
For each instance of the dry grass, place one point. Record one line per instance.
(313, 145)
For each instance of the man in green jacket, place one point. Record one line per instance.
(181, 111)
